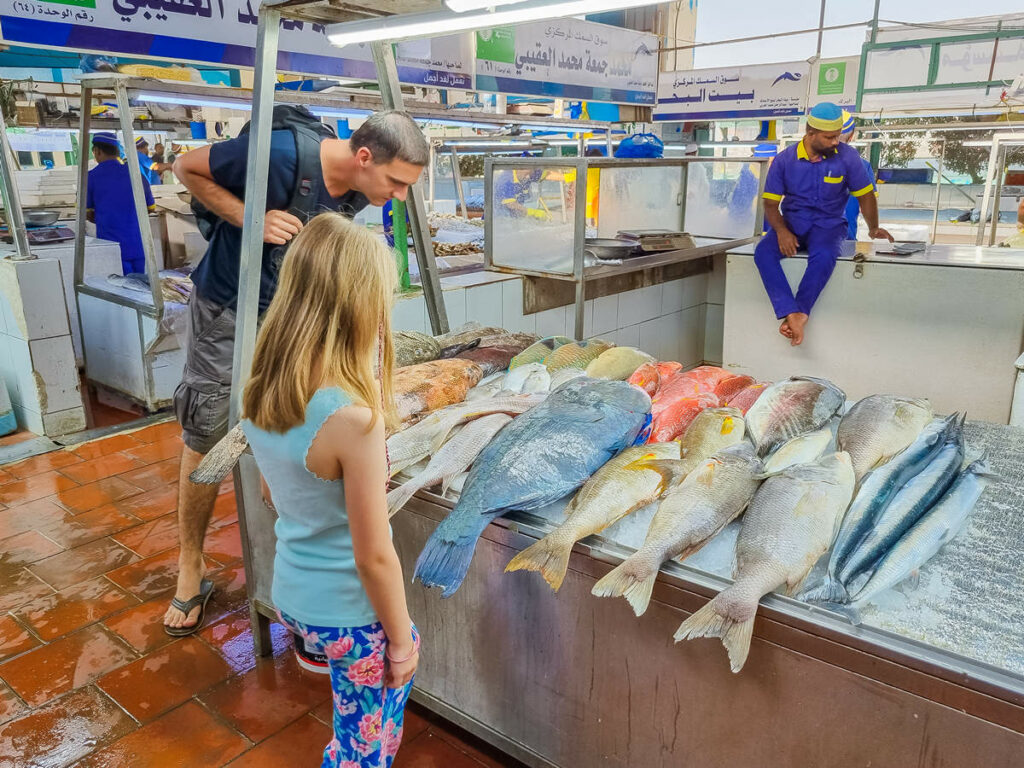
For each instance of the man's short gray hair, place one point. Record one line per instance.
(392, 135)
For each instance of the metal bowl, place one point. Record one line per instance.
(41, 218)
(609, 247)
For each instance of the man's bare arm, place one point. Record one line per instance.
(869, 207)
(788, 243)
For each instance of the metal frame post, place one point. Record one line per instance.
(938, 192)
(124, 115)
(460, 193)
(391, 96)
(12, 200)
(579, 265)
(81, 203)
(998, 195)
(990, 176)
(432, 175)
(608, 139)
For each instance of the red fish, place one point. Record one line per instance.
(731, 386)
(647, 378)
(745, 398)
(674, 417)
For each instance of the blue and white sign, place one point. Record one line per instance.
(220, 32)
(764, 90)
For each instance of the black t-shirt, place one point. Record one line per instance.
(216, 277)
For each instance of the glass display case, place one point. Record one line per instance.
(562, 217)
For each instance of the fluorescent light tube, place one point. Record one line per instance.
(406, 26)
(461, 6)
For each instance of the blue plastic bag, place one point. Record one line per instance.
(641, 145)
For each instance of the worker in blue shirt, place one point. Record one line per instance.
(110, 205)
(151, 170)
(852, 204)
(804, 205)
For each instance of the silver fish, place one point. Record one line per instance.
(532, 377)
(790, 408)
(800, 450)
(878, 427)
(689, 515)
(937, 527)
(789, 525)
(453, 458)
(562, 375)
(619, 488)
(907, 506)
(873, 496)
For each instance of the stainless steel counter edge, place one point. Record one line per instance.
(939, 255)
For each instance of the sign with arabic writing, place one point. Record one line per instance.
(835, 80)
(765, 90)
(568, 58)
(220, 32)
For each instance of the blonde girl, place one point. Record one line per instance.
(315, 415)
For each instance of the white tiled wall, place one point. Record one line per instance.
(667, 321)
(37, 357)
(714, 328)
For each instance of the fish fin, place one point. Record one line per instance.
(630, 580)
(671, 470)
(831, 590)
(914, 579)
(549, 556)
(708, 622)
(218, 463)
(446, 482)
(706, 474)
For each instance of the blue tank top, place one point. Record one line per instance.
(315, 578)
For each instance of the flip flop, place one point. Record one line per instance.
(186, 606)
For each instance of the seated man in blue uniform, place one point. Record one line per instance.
(110, 205)
(805, 198)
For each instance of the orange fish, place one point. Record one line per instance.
(420, 389)
(647, 378)
(674, 418)
(748, 396)
(731, 386)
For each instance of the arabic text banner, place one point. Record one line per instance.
(568, 58)
(220, 32)
(765, 90)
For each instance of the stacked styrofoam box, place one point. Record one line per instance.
(37, 359)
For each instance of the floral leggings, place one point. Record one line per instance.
(367, 715)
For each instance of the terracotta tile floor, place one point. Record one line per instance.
(88, 678)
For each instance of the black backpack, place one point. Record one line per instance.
(308, 132)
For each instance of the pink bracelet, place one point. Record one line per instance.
(415, 650)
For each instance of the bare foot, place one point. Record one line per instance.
(190, 575)
(785, 330)
(796, 321)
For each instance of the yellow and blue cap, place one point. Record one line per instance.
(825, 117)
(848, 122)
(140, 141)
(105, 138)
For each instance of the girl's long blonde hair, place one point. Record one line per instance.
(331, 310)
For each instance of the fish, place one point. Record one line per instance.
(559, 377)
(412, 348)
(617, 489)
(617, 363)
(790, 408)
(538, 351)
(468, 333)
(543, 455)
(650, 375)
(729, 387)
(488, 387)
(519, 341)
(490, 359)
(689, 515)
(745, 399)
(878, 427)
(873, 496)
(453, 458)
(516, 379)
(672, 421)
(788, 526)
(804, 449)
(907, 506)
(423, 388)
(576, 355)
(698, 381)
(713, 430)
(426, 437)
(447, 353)
(935, 529)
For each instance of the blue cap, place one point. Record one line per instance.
(105, 138)
(848, 122)
(766, 150)
(825, 117)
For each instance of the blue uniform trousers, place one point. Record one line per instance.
(822, 246)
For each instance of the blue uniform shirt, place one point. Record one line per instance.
(815, 194)
(147, 168)
(109, 197)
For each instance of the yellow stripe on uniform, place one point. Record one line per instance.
(771, 196)
(864, 191)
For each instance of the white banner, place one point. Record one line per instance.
(568, 58)
(764, 90)
(220, 32)
(39, 140)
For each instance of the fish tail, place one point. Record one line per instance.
(734, 634)
(631, 580)
(549, 556)
(443, 563)
(831, 590)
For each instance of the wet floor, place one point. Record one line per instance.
(88, 678)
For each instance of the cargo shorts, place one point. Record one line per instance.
(202, 399)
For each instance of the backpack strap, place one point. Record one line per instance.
(309, 177)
